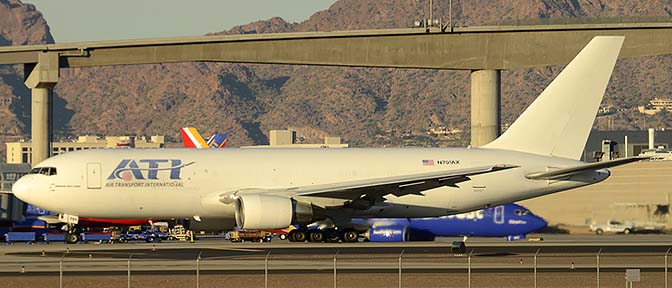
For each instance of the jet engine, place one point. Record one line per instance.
(388, 234)
(397, 234)
(256, 211)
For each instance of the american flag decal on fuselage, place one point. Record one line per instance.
(427, 162)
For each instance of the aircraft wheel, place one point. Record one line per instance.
(71, 238)
(300, 236)
(315, 236)
(331, 235)
(350, 236)
(626, 231)
(599, 231)
(291, 236)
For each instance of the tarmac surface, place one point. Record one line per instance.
(559, 258)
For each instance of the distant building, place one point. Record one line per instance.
(611, 144)
(656, 105)
(11, 208)
(6, 101)
(605, 110)
(21, 152)
(442, 130)
(287, 139)
(637, 192)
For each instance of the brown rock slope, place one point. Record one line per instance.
(20, 24)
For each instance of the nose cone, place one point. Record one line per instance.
(28, 188)
(539, 223)
(21, 187)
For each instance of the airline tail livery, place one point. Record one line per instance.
(192, 139)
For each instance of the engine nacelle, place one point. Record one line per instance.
(257, 211)
(398, 233)
(388, 234)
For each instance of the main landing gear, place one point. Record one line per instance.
(328, 235)
(72, 234)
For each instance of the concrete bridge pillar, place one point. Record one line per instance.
(485, 106)
(41, 79)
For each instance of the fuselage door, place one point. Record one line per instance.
(93, 176)
(499, 215)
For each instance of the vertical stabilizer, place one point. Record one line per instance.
(218, 140)
(192, 139)
(558, 122)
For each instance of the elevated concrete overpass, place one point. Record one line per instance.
(483, 50)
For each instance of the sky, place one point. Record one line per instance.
(95, 20)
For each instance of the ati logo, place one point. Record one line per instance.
(130, 169)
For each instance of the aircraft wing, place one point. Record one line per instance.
(398, 185)
(566, 172)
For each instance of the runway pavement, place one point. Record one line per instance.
(561, 261)
(556, 252)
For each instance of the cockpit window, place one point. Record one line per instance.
(49, 171)
(522, 212)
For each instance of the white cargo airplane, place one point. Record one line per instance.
(273, 188)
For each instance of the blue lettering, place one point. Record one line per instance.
(152, 172)
(128, 169)
(176, 167)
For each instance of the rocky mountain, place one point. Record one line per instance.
(20, 24)
(367, 107)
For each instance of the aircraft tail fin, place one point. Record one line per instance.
(218, 140)
(558, 122)
(192, 139)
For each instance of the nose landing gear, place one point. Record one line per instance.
(72, 237)
(72, 234)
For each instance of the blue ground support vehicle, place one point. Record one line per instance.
(53, 237)
(86, 237)
(150, 236)
(96, 237)
(12, 237)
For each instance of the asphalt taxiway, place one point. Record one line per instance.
(558, 261)
(556, 252)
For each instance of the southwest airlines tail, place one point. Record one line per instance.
(192, 139)
(218, 140)
(558, 122)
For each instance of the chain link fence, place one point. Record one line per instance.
(600, 268)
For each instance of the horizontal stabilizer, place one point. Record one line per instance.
(566, 172)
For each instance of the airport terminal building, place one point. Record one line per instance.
(618, 144)
(11, 208)
(21, 152)
(19, 157)
(639, 192)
